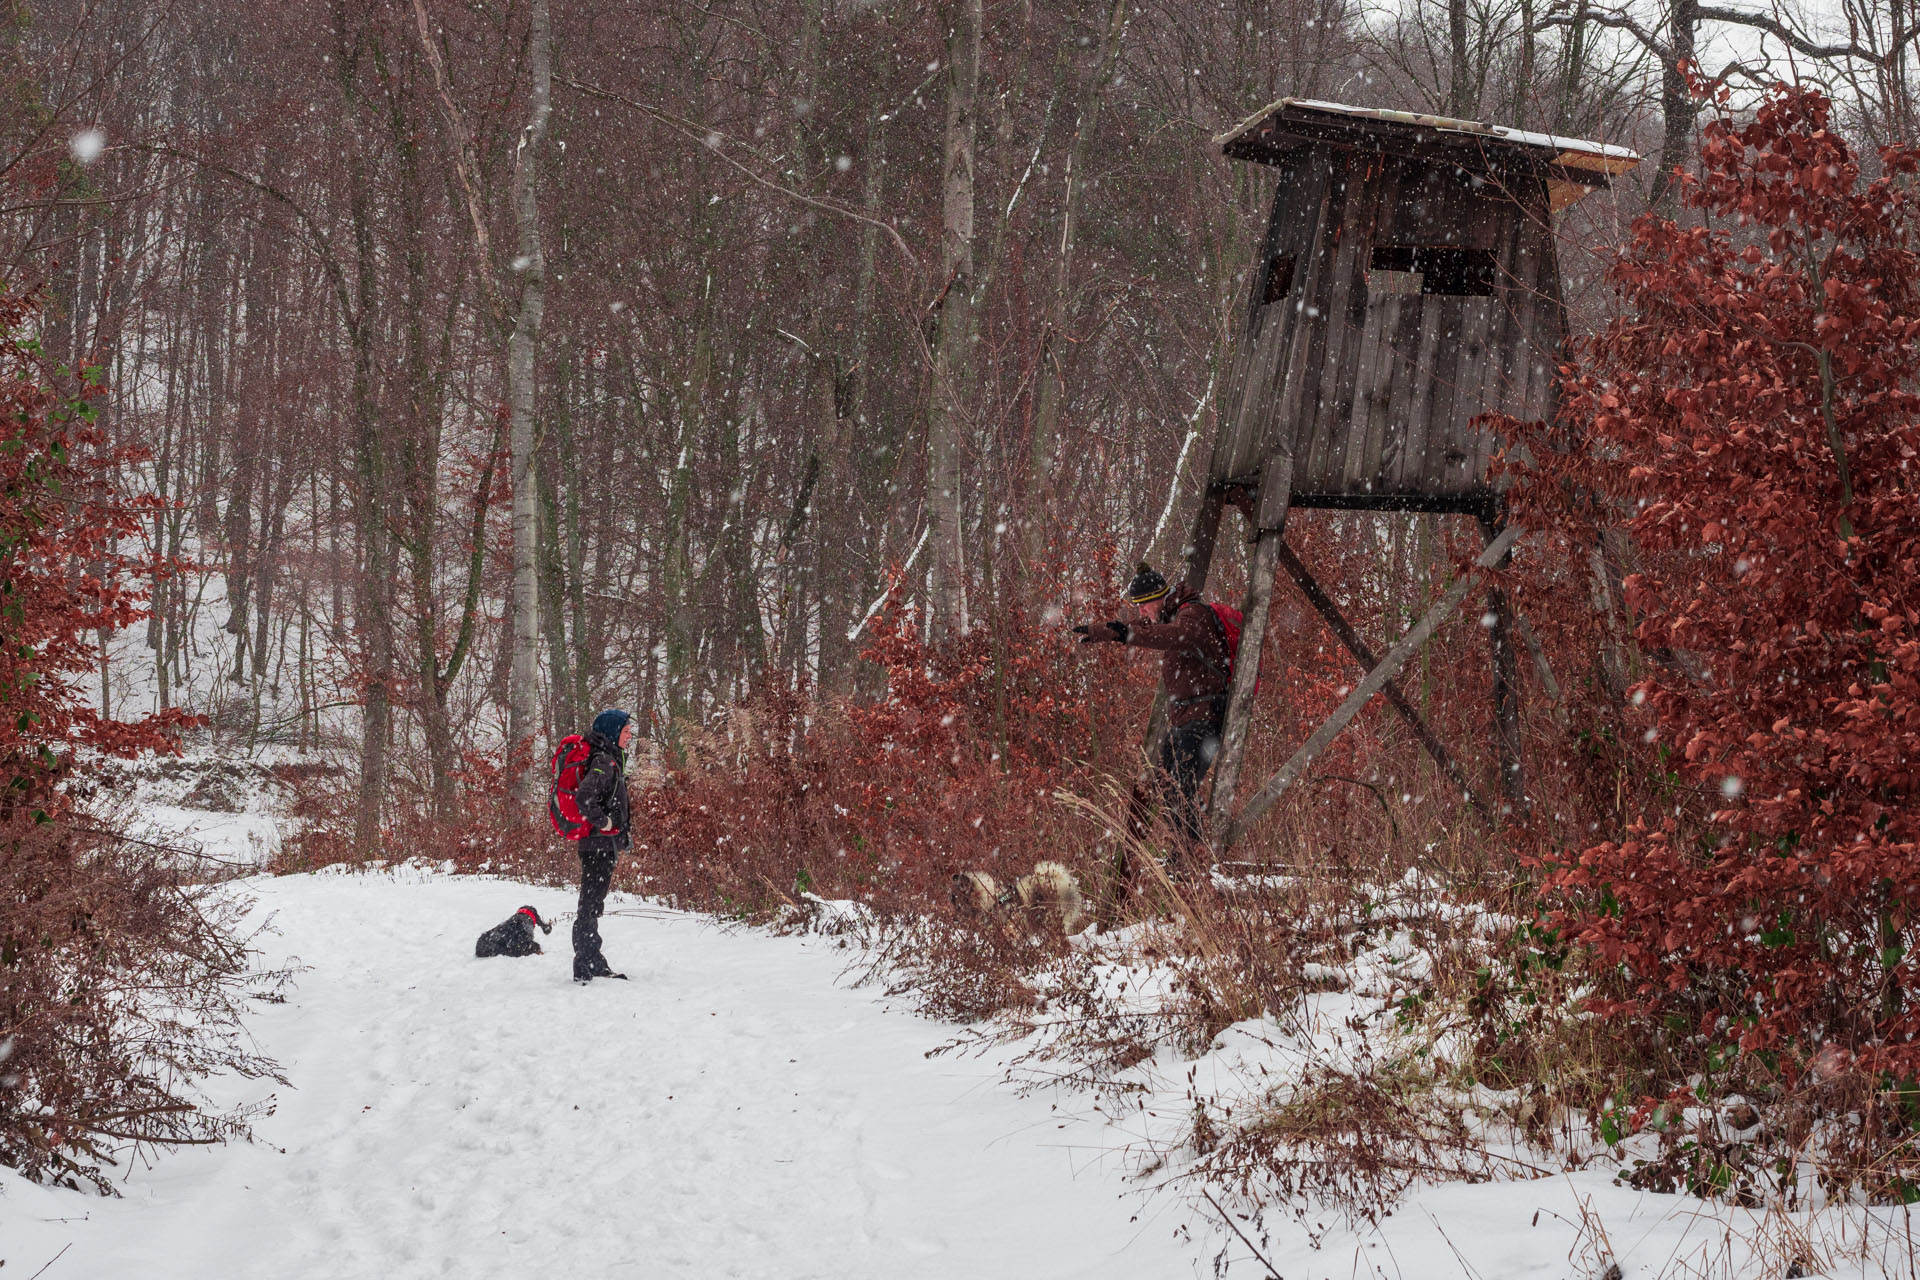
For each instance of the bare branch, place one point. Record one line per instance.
(1801, 44)
(1608, 18)
(700, 133)
(465, 165)
(322, 245)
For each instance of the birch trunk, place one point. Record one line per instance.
(523, 684)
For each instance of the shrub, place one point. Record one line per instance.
(1750, 423)
(121, 985)
(953, 768)
(120, 990)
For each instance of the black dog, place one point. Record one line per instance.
(513, 936)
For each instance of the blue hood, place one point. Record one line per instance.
(610, 722)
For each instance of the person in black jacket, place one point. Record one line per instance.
(602, 796)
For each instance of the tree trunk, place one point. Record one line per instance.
(1573, 66)
(1678, 109)
(562, 710)
(257, 363)
(1523, 115)
(265, 564)
(676, 556)
(953, 343)
(371, 498)
(1044, 440)
(1460, 95)
(745, 641)
(523, 708)
(585, 664)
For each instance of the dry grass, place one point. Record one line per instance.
(124, 981)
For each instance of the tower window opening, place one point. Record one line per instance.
(1444, 269)
(1279, 278)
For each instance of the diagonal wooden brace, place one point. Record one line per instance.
(1398, 700)
(1374, 681)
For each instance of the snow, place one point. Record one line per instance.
(1605, 157)
(738, 1109)
(731, 1110)
(248, 839)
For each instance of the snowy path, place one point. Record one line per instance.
(731, 1111)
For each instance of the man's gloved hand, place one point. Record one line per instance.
(1114, 632)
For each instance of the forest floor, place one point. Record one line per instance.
(741, 1107)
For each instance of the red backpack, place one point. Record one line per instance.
(563, 808)
(1229, 619)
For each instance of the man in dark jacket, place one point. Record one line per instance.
(602, 796)
(1194, 675)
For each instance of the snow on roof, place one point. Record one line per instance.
(1572, 155)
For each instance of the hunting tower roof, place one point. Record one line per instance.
(1571, 166)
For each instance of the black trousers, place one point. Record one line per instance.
(1185, 756)
(596, 877)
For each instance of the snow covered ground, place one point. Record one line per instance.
(737, 1109)
(216, 805)
(729, 1111)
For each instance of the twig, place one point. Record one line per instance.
(1377, 795)
(50, 1261)
(1253, 1248)
(1458, 1256)
(692, 130)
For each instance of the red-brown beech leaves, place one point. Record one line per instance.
(64, 574)
(122, 985)
(1750, 421)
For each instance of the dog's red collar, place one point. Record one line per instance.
(529, 911)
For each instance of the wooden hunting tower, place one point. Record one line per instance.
(1406, 284)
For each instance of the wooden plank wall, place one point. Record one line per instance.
(1373, 392)
(1274, 333)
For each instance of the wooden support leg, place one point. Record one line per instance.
(1388, 667)
(1270, 526)
(1541, 668)
(1246, 672)
(1398, 700)
(1506, 686)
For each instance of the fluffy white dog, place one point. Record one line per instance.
(1046, 897)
